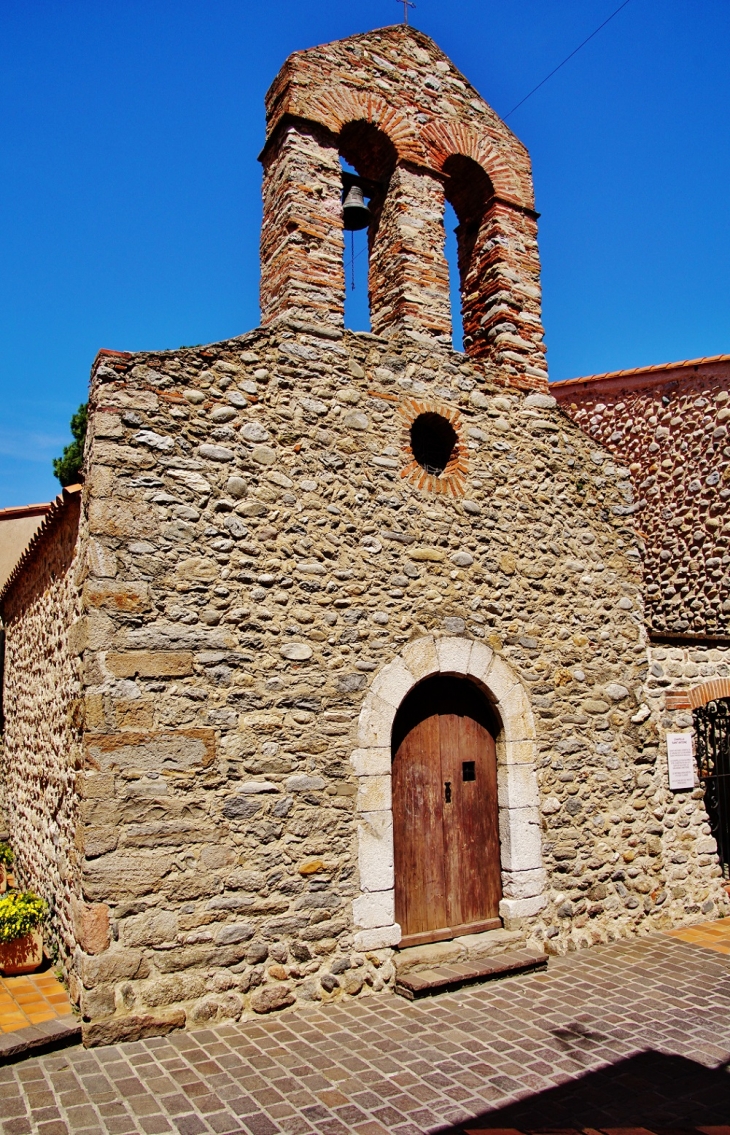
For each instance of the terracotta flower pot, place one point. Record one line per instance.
(3, 879)
(22, 955)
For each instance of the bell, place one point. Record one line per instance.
(354, 210)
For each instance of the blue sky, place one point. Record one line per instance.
(130, 191)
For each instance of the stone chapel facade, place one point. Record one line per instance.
(284, 535)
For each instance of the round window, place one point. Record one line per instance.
(434, 442)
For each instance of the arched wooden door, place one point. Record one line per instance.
(445, 817)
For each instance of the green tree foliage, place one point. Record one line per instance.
(67, 467)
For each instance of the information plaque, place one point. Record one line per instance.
(681, 761)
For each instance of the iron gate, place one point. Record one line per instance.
(712, 729)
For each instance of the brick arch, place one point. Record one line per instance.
(698, 695)
(709, 691)
(444, 139)
(338, 105)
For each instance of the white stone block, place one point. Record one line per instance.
(517, 720)
(520, 839)
(102, 561)
(523, 884)
(517, 726)
(371, 762)
(480, 660)
(541, 401)
(375, 851)
(375, 724)
(393, 682)
(517, 786)
(453, 655)
(378, 939)
(376, 909)
(99, 631)
(501, 678)
(521, 908)
(517, 752)
(373, 794)
(515, 700)
(420, 658)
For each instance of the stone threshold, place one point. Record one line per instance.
(37, 1039)
(447, 978)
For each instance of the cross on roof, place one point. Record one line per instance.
(406, 5)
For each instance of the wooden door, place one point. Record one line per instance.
(445, 818)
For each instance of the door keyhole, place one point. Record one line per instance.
(447, 791)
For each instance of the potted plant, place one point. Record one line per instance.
(6, 862)
(21, 942)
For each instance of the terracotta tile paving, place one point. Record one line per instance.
(633, 1037)
(711, 935)
(31, 999)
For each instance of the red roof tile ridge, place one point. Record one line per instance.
(54, 509)
(17, 512)
(630, 373)
(107, 353)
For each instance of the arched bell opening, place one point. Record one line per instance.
(447, 864)
(469, 191)
(451, 250)
(368, 158)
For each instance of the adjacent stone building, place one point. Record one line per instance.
(284, 539)
(669, 424)
(42, 691)
(17, 527)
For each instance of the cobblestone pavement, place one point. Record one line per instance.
(632, 1034)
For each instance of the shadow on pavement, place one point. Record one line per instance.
(649, 1091)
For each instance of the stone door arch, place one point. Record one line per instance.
(523, 875)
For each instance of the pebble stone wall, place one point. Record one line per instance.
(255, 558)
(671, 428)
(42, 753)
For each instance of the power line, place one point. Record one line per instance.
(567, 57)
